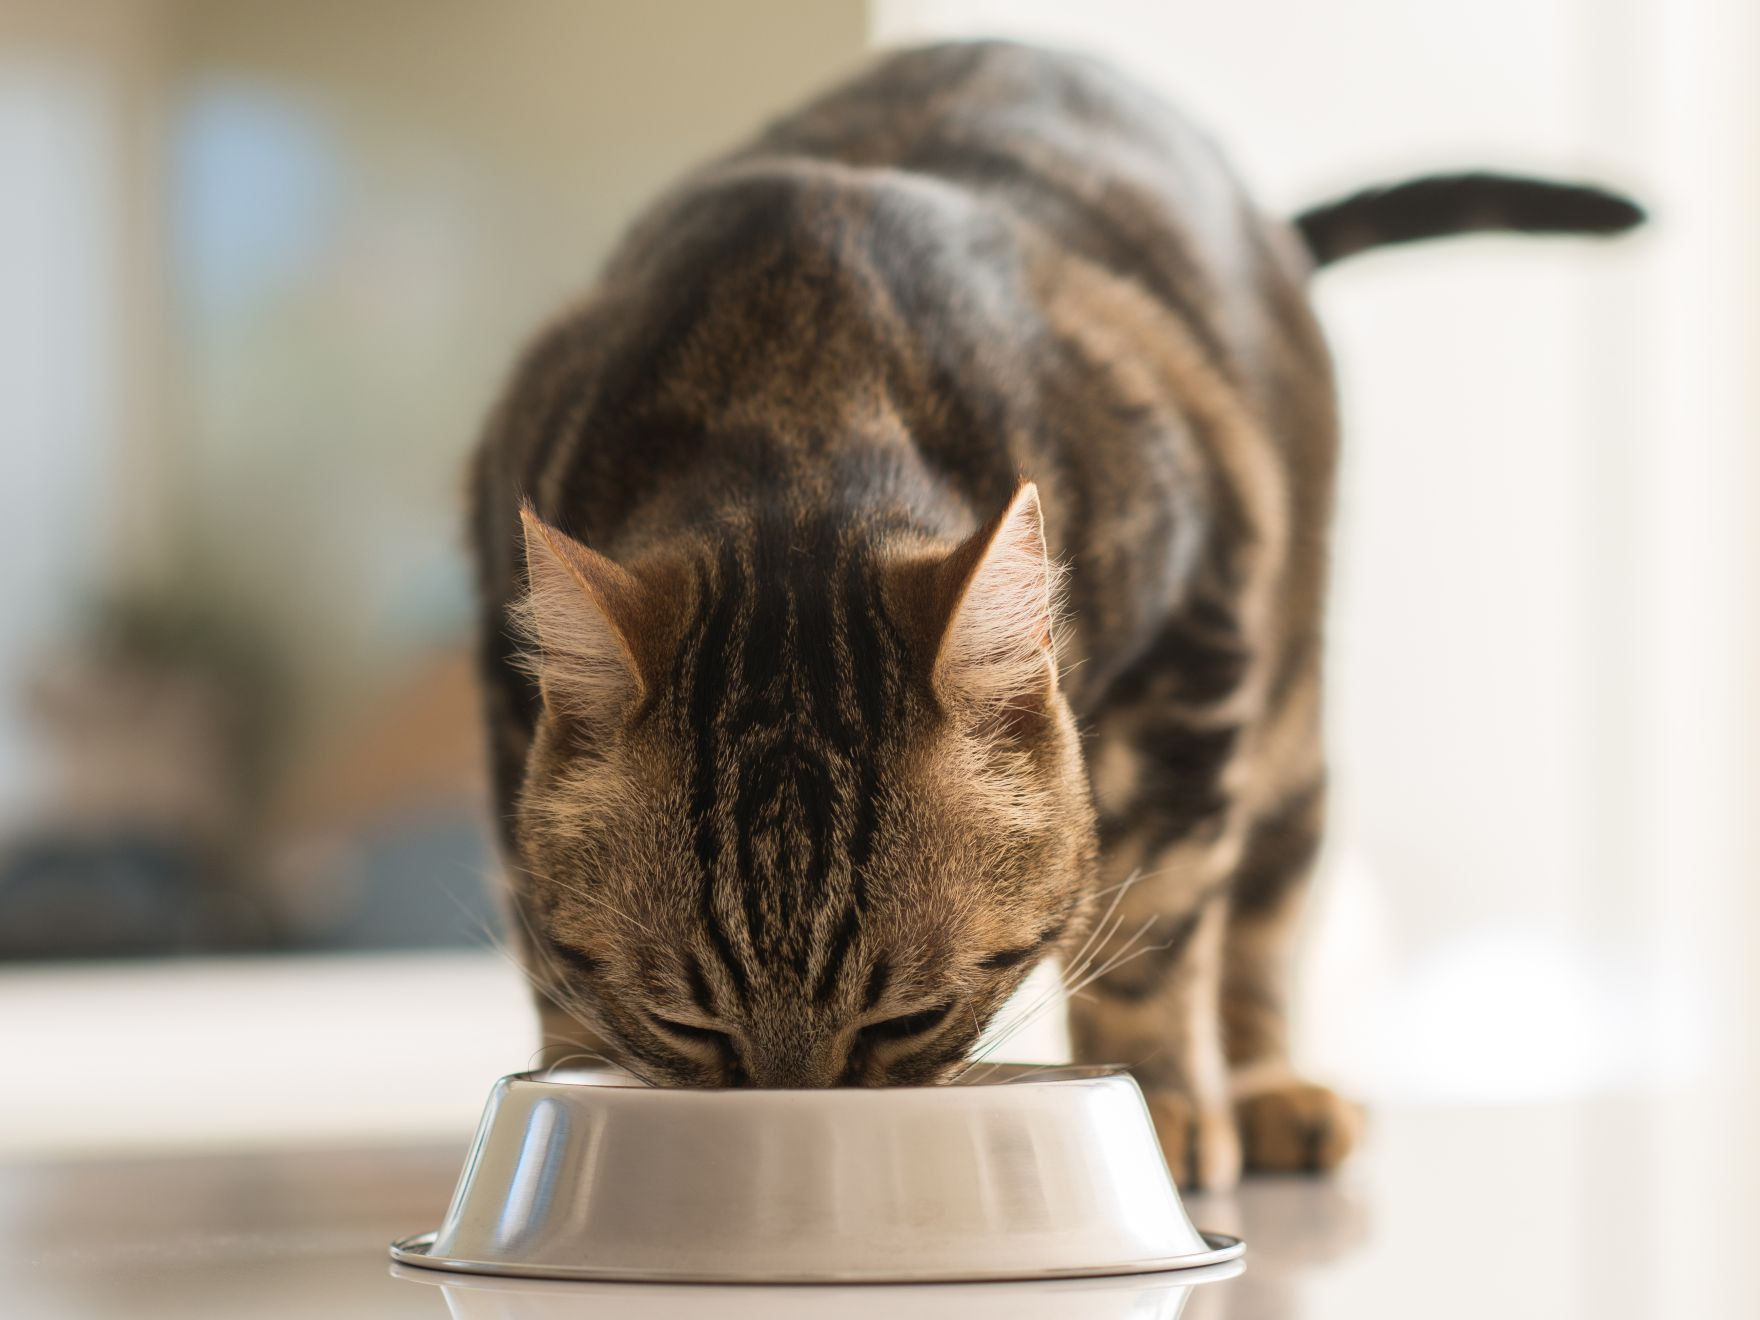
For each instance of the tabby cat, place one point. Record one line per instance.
(907, 566)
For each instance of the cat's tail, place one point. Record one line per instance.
(1444, 204)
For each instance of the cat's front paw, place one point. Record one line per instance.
(1202, 1148)
(1293, 1126)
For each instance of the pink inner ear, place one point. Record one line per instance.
(585, 662)
(997, 650)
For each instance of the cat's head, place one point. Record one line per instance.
(805, 803)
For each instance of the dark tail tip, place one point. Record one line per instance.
(1444, 205)
(1598, 211)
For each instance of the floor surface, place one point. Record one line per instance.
(1448, 1214)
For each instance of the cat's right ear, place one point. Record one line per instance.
(585, 614)
(996, 658)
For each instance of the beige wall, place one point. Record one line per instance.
(80, 318)
(573, 111)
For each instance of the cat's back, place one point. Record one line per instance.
(1077, 149)
(893, 241)
(995, 115)
(891, 213)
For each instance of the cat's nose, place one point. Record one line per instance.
(798, 1065)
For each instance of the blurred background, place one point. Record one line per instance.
(262, 267)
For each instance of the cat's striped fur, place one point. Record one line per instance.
(796, 782)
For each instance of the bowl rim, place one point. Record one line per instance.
(413, 1251)
(1190, 1277)
(1001, 1075)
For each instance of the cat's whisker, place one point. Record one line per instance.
(1103, 931)
(1038, 1072)
(581, 1048)
(1120, 890)
(1125, 952)
(1005, 1028)
(551, 987)
(1115, 964)
(598, 901)
(1104, 935)
(499, 944)
(1148, 1058)
(1043, 1005)
(562, 1060)
(591, 1056)
(473, 917)
(1097, 938)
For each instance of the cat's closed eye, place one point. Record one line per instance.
(905, 1027)
(697, 1035)
(583, 964)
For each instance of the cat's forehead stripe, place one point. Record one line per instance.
(708, 648)
(790, 696)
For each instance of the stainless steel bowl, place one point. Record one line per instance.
(1030, 1175)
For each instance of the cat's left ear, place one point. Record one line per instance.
(589, 618)
(996, 658)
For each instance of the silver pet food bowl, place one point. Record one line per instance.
(587, 1175)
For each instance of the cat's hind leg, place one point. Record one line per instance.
(1287, 1124)
(1147, 996)
(1146, 993)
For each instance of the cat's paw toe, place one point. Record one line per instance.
(1199, 1142)
(1296, 1127)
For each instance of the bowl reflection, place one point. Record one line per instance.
(1136, 1297)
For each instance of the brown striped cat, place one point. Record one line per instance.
(908, 566)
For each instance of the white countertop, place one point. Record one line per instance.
(175, 1140)
(1517, 1212)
